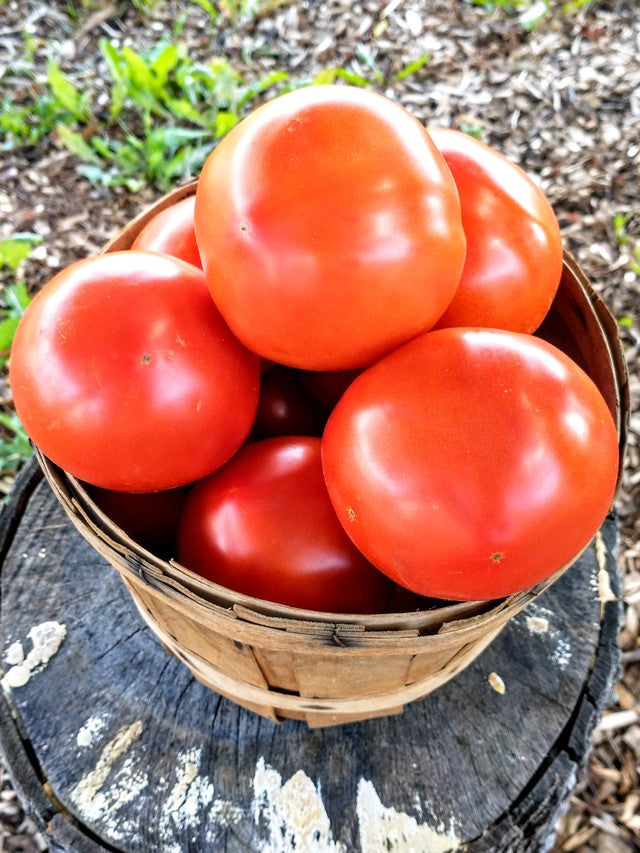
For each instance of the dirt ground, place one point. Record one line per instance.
(562, 100)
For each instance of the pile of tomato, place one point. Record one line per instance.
(316, 382)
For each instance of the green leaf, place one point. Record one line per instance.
(165, 63)
(183, 109)
(15, 249)
(254, 89)
(8, 328)
(626, 322)
(619, 228)
(325, 77)
(139, 73)
(15, 449)
(116, 68)
(350, 77)
(208, 7)
(474, 130)
(65, 92)
(76, 144)
(411, 67)
(17, 297)
(224, 122)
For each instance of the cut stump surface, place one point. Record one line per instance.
(112, 744)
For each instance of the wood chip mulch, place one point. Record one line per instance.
(562, 100)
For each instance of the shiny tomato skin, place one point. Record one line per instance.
(514, 246)
(263, 525)
(471, 463)
(285, 407)
(172, 232)
(124, 373)
(329, 228)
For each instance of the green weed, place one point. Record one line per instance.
(166, 113)
(15, 298)
(58, 101)
(14, 443)
(365, 72)
(624, 241)
(15, 447)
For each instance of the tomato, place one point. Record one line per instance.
(150, 518)
(285, 408)
(329, 228)
(514, 247)
(327, 386)
(471, 463)
(172, 232)
(263, 525)
(124, 373)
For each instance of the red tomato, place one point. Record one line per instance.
(172, 232)
(327, 386)
(285, 408)
(514, 247)
(471, 463)
(263, 525)
(150, 518)
(124, 373)
(329, 228)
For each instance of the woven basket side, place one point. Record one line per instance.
(325, 710)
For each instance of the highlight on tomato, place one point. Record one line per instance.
(471, 463)
(514, 246)
(124, 373)
(263, 525)
(329, 228)
(172, 232)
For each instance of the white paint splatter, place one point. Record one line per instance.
(190, 805)
(384, 828)
(562, 654)
(46, 638)
(14, 655)
(541, 622)
(17, 676)
(293, 812)
(538, 624)
(88, 733)
(88, 796)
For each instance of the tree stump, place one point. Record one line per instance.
(113, 745)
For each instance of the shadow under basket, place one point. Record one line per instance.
(327, 668)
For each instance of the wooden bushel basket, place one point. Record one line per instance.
(327, 668)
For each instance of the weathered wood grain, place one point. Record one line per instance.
(138, 756)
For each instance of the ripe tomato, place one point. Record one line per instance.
(471, 463)
(329, 228)
(263, 525)
(327, 386)
(285, 407)
(514, 247)
(124, 373)
(172, 232)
